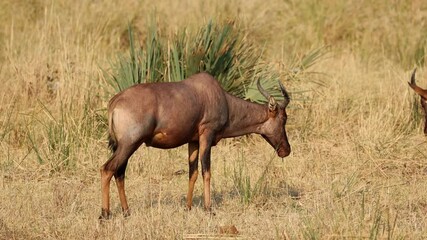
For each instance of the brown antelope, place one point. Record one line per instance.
(196, 111)
(423, 97)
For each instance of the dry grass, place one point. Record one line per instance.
(359, 163)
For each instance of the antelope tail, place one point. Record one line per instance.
(112, 142)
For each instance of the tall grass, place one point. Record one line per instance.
(248, 188)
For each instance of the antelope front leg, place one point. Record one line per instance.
(193, 159)
(207, 188)
(205, 156)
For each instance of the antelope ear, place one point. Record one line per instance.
(272, 104)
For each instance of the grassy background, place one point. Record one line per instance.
(358, 167)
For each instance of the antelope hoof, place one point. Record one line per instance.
(126, 213)
(210, 211)
(105, 215)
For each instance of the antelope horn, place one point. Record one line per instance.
(285, 94)
(413, 85)
(413, 76)
(262, 90)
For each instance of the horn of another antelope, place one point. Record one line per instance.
(285, 94)
(413, 85)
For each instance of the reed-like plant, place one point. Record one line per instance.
(140, 66)
(222, 50)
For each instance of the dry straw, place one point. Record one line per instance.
(359, 159)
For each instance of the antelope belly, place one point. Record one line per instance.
(165, 140)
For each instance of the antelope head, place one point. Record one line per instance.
(274, 131)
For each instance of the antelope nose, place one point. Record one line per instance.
(284, 153)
